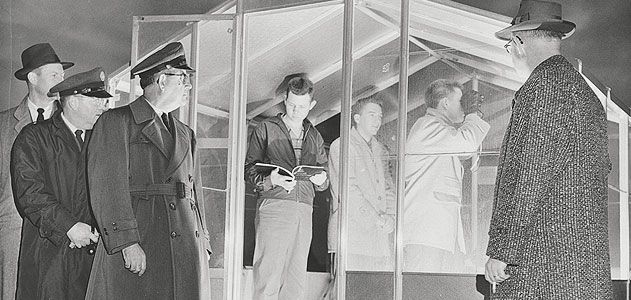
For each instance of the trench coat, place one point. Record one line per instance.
(371, 193)
(549, 219)
(11, 123)
(145, 188)
(433, 179)
(50, 190)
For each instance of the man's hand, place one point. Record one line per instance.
(80, 235)
(287, 182)
(318, 179)
(471, 102)
(135, 259)
(494, 271)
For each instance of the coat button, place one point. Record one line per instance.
(173, 234)
(169, 180)
(190, 177)
(196, 233)
(172, 205)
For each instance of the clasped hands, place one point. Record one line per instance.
(288, 182)
(81, 234)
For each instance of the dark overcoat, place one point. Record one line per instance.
(11, 123)
(50, 191)
(135, 166)
(549, 218)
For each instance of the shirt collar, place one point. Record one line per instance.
(70, 126)
(32, 108)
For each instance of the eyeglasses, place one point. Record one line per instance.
(510, 41)
(186, 77)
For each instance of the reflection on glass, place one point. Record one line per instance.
(451, 131)
(371, 203)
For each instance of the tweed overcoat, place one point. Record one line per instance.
(549, 218)
(11, 122)
(50, 191)
(131, 150)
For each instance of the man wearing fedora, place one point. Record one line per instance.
(50, 189)
(146, 192)
(548, 235)
(41, 69)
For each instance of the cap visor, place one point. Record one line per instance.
(99, 94)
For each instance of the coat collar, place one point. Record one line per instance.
(22, 115)
(143, 112)
(438, 115)
(551, 62)
(62, 131)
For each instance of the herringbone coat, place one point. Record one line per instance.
(550, 209)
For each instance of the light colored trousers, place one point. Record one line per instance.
(283, 238)
(10, 232)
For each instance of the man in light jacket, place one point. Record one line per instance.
(451, 131)
(371, 202)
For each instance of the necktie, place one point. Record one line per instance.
(40, 115)
(165, 120)
(77, 134)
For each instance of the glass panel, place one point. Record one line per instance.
(370, 215)
(153, 35)
(214, 93)
(614, 199)
(304, 39)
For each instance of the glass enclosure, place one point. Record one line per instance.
(391, 235)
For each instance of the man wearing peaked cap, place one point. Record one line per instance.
(548, 237)
(41, 69)
(146, 192)
(49, 184)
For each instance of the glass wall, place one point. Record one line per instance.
(413, 212)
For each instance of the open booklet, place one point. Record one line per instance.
(298, 171)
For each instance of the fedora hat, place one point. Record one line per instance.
(36, 56)
(541, 15)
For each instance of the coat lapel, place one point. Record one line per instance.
(144, 113)
(22, 115)
(63, 132)
(182, 145)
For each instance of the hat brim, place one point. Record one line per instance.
(99, 94)
(22, 73)
(565, 27)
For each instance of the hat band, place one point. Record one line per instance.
(81, 91)
(526, 17)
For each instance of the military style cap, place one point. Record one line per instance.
(90, 83)
(170, 57)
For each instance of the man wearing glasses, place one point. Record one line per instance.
(548, 235)
(50, 190)
(146, 192)
(285, 203)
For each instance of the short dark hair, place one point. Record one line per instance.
(298, 84)
(358, 107)
(439, 89)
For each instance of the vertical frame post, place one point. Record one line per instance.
(235, 206)
(345, 131)
(404, 38)
(475, 163)
(134, 55)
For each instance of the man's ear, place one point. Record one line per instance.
(356, 118)
(32, 77)
(443, 103)
(161, 81)
(72, 102)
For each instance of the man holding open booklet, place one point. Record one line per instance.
(285, 198)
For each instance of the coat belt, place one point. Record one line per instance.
(181, 190)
